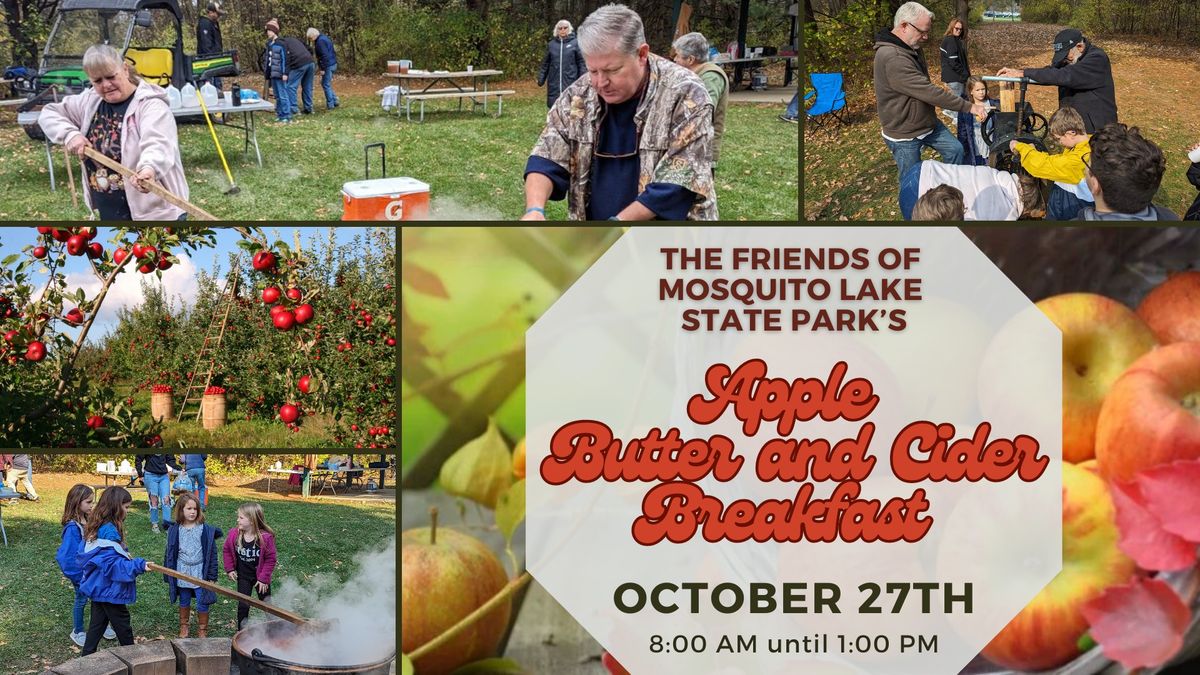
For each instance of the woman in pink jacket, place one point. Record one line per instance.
(128, 120)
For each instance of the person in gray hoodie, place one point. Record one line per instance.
(905, 98)
(128, 120)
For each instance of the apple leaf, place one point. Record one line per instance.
(406, 666)
(422, 280)
(494, 666)
(481, 470)
(1139, 624)
(1171, 494)
(1142, 536)
(510, 510)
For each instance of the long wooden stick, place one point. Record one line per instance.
(71, 178)
(154, 187)
(270, 609)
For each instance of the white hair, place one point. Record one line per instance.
(909, 13)
(560, 24)
(611, 28)
(313, 33)
(102, 58)
(692, 44)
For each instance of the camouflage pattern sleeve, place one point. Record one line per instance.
(688, 160)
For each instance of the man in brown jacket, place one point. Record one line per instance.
(907, 101)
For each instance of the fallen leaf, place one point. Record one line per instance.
(1142, 536)
(1139, 624)
(1170, 492)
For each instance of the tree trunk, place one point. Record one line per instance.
(23, 49)
(963, 11)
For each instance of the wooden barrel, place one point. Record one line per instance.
(162, 407)
(212, 410)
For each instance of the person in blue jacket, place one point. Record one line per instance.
(562, 64)
(326, 63)
(108, 573)
(192, 550)
(970, 130)
(80, 500)
(275, 70)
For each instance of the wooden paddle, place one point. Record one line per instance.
(154, 187)
(270, 609)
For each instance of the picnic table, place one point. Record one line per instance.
(111, 476)
(224, 106)
(739, 65)
(420, 86)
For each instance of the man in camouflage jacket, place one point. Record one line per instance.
(666, 140)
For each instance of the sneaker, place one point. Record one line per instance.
(110, 634)
(791, 120)
(79, 638)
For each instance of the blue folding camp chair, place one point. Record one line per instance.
(830, 99)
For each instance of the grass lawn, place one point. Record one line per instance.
(317, 539)
(473, 163)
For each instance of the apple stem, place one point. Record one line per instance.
(451, 632)
(432, 525)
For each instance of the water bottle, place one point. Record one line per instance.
(173, 97)
(236, 94)
(188, 96)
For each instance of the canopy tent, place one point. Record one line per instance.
(681, 14)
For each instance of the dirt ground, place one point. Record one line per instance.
(849, 174)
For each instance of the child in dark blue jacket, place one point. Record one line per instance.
(275, 70)
(191, 549)
(80, 500)
(108, 574)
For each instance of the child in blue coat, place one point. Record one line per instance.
(108, 574)
(970, 130)
(80, 500)
(191, 549)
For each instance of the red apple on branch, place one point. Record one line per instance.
(74, 317)
(284, 320)
(289, 413)
(1101, 337)
(304, 314)
(306, 384)
(77, 244)
(36, 351)
(1045, 634)
(1150, 415)
(39, 252)
(263, 261)
(270, 294)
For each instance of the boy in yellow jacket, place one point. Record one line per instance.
(1069, 193)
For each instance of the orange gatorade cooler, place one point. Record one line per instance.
(399, 198)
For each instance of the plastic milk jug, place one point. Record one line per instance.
(210, 94)
(188, 96)
(174, 97)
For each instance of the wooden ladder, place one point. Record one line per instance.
(202, 372)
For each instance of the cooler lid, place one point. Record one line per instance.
(378, 187)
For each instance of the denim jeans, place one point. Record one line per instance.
(910, 188)
(1063, 205)
(908, 153)
(283, 99)
(185, 596)
(956, 88)
(158, 485)
(331, 99)
(793, 109)
(197, 476)
(81, 601)
(302, 78)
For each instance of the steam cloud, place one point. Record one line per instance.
(361, 612)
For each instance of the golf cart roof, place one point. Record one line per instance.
(120, 5)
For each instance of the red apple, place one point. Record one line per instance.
(270, 294)
(60, 234)
(263, 261)
(304, 314)
(284, 320)
(306, 384)
(36, 351)
(448, 575)
(1045, 634)
(294, 294)
(146, 268)
(139, 250)
(45, 230)
(74, 317)
(1101, 337)
(77, 244)
(1150, 415)
(89, 232)
(391, 342)
(1172, 308)
(164, 264)
(276, 310)
(39, 252)
(10, 336)
(119, 255)
(288, 413)
(95, 422)
(95, 250)
(147, 252)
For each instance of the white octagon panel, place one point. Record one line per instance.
(972, 349)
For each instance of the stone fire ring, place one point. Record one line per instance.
(186, 656)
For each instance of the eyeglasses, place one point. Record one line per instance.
(637, 135)
(922, 32)
(1087, 166)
